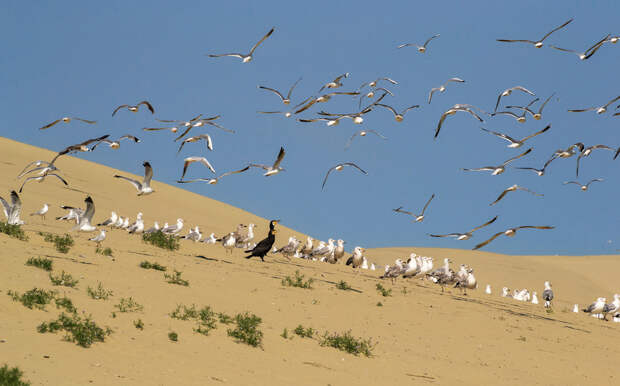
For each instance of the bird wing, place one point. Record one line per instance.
(236, 55)
(535, 227)
(118, 108)
(592, 50)
(427, 203)
(521, 88)
(264, 167)
(190, 160)
(184, 133)
(90, 210)
(500, 197)
(354, 165)
(272, 90)
(399, 210)
(515, 41)
(84, 120)
(148, 105)
(104, 141)
(307, 106)
(410, 107)
(537, 133)
(155, 128)
(572, 182)
(49, 174)
(564, 49)
(50, 124)
(281, 155)
(290, 91)
(454, 80)
(503, 136)
(544, 103)
(6, 208)
(491, 221)
(443, 118)
(612, 101)
(387, 107)
(429, 39)
(482, 244)
(135, 183)
(581, 110)
(37, 163)
(148, 173)
(482, 169)
(529, 191)
(234, 172)
(376, 133)
(497, 103)
(16, 205)
(262, 40)
(220, 127)
(135, 139)
(327, 175)
(194, 180)
(350, 140)
(517, 157)
(594, 180)
(405, 45)
(506, 113)
(555, 29)
(28, 180)
(447, 235)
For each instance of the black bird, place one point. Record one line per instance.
(262, 248)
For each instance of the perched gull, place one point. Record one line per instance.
(506, 292)
(586, 186)
(596, 307)
(228, 241)
(394, 271)
(116, 144)
(41, 212)
(612, 308)
(143, 187)
(99, 238)
(357, 258)
(307, 248)
(534, 297)
(111, 221)
(442, 88)
(213, 181)
(125, 224)
(468, 281)
(339, 167)
(599, 110)
(453, 110)
(245, 240)
(514, 143)
(547, 294)
(495, 170)
(467, 235)
(286, 100)
(487, 290)
(338, 252)
(289, 249)
(84, 221)
(336, 82)
(247, 57)
(398, 116)
(539, 43)
(512, 189)
(272, 169)
(152, 229)
(66, 120)
(588, 53)
(576, 308)
(211, 239)
(173, 229)
(510, 233)
(137, 226)
(41, 179)
(12, 210)
(422, 48)
(587, 151)
(416, 217)
(135, 108)
(509, 91)
(363, 133)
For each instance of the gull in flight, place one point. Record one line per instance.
(135, 108)
(84, 220)
(442, 88)
(467, 235)
(372, 93)
(247, 57)
(41, 178)
(512, 189)
(588, 53)
(509, 91)
(397, 116)
(355, 117)
(99, 238)
(205, 137)
(569, 152)
(373, 84)
(520, 118)
(536, 115)
(495, 170)
(513, 142)
(330, 121)
(66, 120)
(286, 100)
(339, 167)
(539, 172)
(190, 160)
(587, 151)
(539, 43)
(336, 82)
(453, 110)
(202, 122)
(363, 133)
(586, 186)
(422, 48)
(143, 187)
(213, 181)
(324, 98)
(41, 212)
(12, 210)
(116, 144)
(599, 110)
(416, 217)
(275, 168)
(510, 233)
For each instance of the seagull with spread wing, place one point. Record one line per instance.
(134, 108)
(270, 170)
(213, 181)
(587, 151)
(513, 142)
(12, 210)
(421, 49)
(442, 88)
(143, 187)
(339, 167)
(66, 120)
(539, 43)
(116, 144)
(205, 137)
(363, 133)
(336, 82)
(190, 160)
(466, 235)
(495, 170)
(509, 91)
(453, 110)
(599, 109)
(286, 100)
(398, 116)
(510, 233)
(416, 217)
(245, 57)
(586, 186)
(588, 53)
(512, 189)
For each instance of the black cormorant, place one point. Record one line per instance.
(262, 248)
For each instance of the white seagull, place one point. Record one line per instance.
(442, 88)
(363, 133)
(510, 233)
(84, 221)
(134, 108)
(143, 187)
(453, 110)
(509, 91)
(12, 210)
(596, 307)
(512, 189)
(41, 212)
(205, 137)
(339, 167)
(466, 235)
(152, 229)
(588, 53)
(495, 170)
(190, 160)
(247, 57)
(286, 100)
(174, 229)
(399, 117)
(599, 110)
(213, 181)
(422, 48)
(586, 186)
(116, 144)
(67, 120)
(336, 82)
(275, 168)
(99, 238)
(111, 221)
(416, 217)
(537, 44)
(514, 143)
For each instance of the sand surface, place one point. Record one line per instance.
(422, 336)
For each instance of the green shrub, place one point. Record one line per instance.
(184, 312)
(99, 292)
(139, 324)
(128, 305)
(175, 278)
(65, 303)
(40, 262)
(159, 239)
(343, 285)
(298, 281)
(173, 336)
(64, 279)
(83, 332)
(148, 265)
(15, 231)
(284, 334)
(247, 330)
(35, 298)
(62, 243)
(12, 377)
(205, 317)
(104, 251)
(349, 343)
(224, 319)
(304, 332)
(383, 291)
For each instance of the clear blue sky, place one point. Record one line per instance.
(85, 58)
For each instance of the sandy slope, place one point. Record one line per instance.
(422, 336)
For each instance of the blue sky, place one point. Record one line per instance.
(85, 58)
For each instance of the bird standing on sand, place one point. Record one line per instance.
(547, 294)
(99, 238)
(262, 248)
(41, 212)
(143, 187)
(596, 307)
(357, 259)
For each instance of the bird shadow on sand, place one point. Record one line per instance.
(71, 259)
(213, 259)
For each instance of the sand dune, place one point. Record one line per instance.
(421, 335)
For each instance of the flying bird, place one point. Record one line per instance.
(339, 167)
(363, 133)
(264, 246)
(539, 43)
(336, 82)
(599, 110)
(510, 233)
(374, 83)
(66, 120)
(84, 220)
(287, 114)
(586, 186)
(509, 91)
(190, 160)
(247, 57)
(205, 137)
(422, 48)
(332, 121)
(286, 100)
(512, 189)
(588, 53)
(12, 210)
(323, 98)
(202, 122)
(213, 181)
(495, 170)
(539, 172)
(134, 108)
(587, 151)
(416, 217)
(275, 168)
(526, 109)
(513, 142)
(453, 110)
(467, 235)
(143, 187)
(41, 179)
(442, 88)
(116, 144)
(398, 116)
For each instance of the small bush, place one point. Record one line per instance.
(104, 251)
(247, 330)
(62, 243)
(379, 304)
(15, 231)
(64, 279)
(40, 262)
(175, 278)
(148, 265)
(304, 332)
(159, 239)
(128, 305)
(139, 324)
(83, 332)
(65, 303)
(173, 336)
(12, 377)
(99, 292)
(205, 317)
(298, 281)
(184, 312)
(224, 319)
(349, 343)
(383, 291)
(343, 285)
(35, 298)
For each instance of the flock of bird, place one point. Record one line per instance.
(370, 94)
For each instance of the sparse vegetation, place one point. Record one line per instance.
(383, 291)
(64, 279)
(99, 292)
(184, 312)
(35, 298)
(298, 281)
(83, 332)
(343, 285)
(247, 330)
(284, 334)
(128, 305)
(62, 243)
(12, 377)
(104, 251)
(65, 303)
(40, 262)
(205, 317)
(224, 319)
(139, 324)
(175, 278)
(159, 239)
(304, 332)
(347, 342)
(379, 304)
(15, 231)
(148, 265)
(173, 336)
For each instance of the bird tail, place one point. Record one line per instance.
(350, 260)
